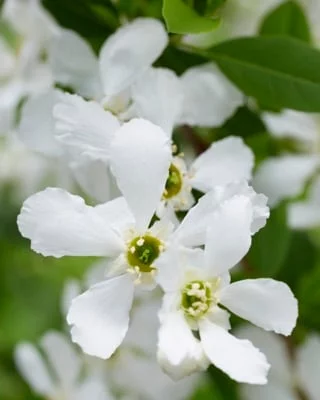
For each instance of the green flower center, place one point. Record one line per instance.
(142, 251)
(173, 183)
(196, 298)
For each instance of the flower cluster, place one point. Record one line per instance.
(114, 133)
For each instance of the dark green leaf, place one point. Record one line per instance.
(280, 72)
(181, 18)
(289, 20)
(270, 245)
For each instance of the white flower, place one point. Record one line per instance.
(196, 287)
(85, 128)
(285, 176)
(57, 374)
(24, 72)
(61, 224)
(125, 372)
(123, 58)
(288, 377)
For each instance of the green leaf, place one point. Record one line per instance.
(270, 245)
(288, 19)
(280, 72)
(309, 300)
(182, 19)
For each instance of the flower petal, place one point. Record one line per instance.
(60, 224)
(36, 129)
(308, 365)
(274, 347)
(129, 52)
(209, 97)
(283, 177)
(100, 316)
(228, 235)
(74, 64)
(266, 303)
(62, 357)
(293, 124)
(237, 358)
(179, 352)
(303, 215)
(84, 126)
(90, 174)
(33, 369)
(226, 161)
(158, 97)
(93, 387)
(140, 155)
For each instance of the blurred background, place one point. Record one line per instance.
(31, 286)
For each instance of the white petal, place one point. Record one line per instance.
(59, 224)
(229, 235)
(226, 161)
(71, 289)
(293, 124)
(304, 215)
(308, 366)
(283, 177)
(237, 358)
(179, 352)
(266, 303)
(192, 229)
(84, 126)
(158, 97)
(74, 64)
(90, 174)
(140, 155)
(274, 347)
(93, 387)
(62, 358)
(171, 279)
(129, 52)
(209, 98)
(33, 369)
(36, 129)
(100, 316)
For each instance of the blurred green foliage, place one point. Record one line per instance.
(30, 285)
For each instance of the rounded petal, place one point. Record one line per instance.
(100, 316)
(74, 64)
(158, 97)
(209, 97)
(308, 366)
(293, 124)
(140, 156)
(60, 224)
(179, 352)
(274, 347)
(84, 126)
(129, 52)
(237, 358)
(266, 303)
(226, 161)
(36, 129)
(283, 177)
(228, 235)
(62, 358)
(33, 369)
